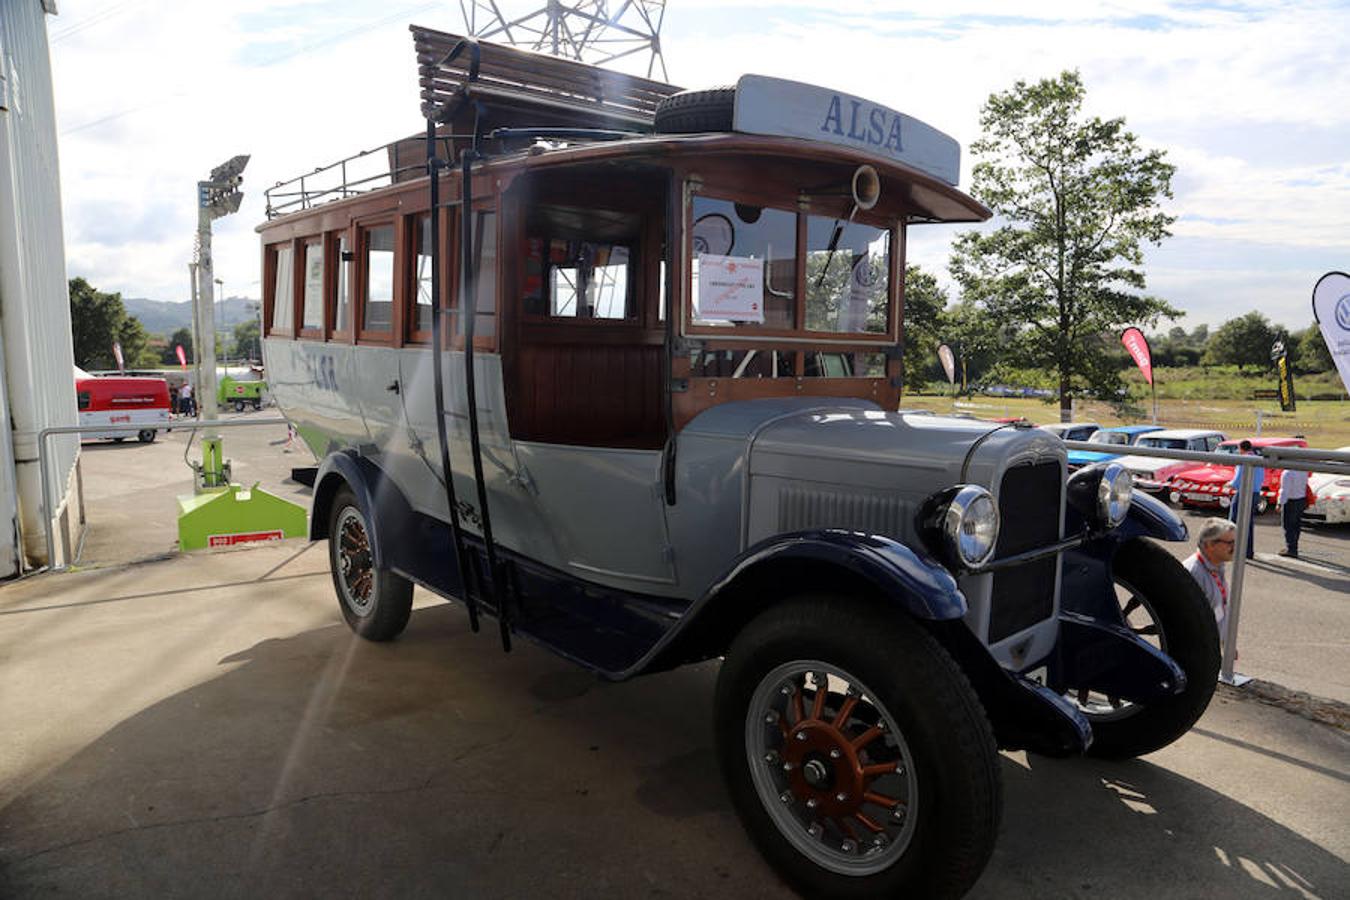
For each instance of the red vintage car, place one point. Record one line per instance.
(1207, 485)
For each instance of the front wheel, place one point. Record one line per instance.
(146, 436)
(1162, 604)
(239, 406)
(856, 753)
(376, 603)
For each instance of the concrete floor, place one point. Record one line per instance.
(206, 726)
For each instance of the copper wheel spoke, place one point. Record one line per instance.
(880, 800)
(818, 707)
(867, 737)
(798, 712)
(868, 823)
(879, 769)
(841, 717)
(1083, 696)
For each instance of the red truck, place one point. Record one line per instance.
(122, 400)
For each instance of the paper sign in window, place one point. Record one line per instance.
(730, 288)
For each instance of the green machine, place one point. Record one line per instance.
(222, 514)
(240, 394)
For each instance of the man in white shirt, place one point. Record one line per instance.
(1293, 500)
(1214, 546)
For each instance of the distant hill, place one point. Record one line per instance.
(163, 317)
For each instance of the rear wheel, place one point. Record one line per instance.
(239, 406)
(376, 603)
(146, 436)
(1162, 604)
(856, 753)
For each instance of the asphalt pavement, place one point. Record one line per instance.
(206, 726)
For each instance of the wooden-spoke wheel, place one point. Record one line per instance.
(375, 602)
(831, 765)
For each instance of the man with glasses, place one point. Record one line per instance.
(1214, 546)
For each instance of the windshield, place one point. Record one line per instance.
(1110, 437)
(1163, 443)
(745, 271)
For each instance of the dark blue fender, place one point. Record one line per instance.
(1106, 657)
(922, 586)
(379, 499)
(1151, 517)
(828, 560)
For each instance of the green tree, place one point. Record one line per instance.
(246, 340)
(925, 302)
(136, 352)
(976, 342)
(95, 324)
(1075, 198)
(1312, 353)
(1242, 342)
(180, 338)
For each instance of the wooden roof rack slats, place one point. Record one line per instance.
(522, 78)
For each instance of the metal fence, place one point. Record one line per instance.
(48, 510)
(1302, 459)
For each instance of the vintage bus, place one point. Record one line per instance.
(122, 400)
(618, 365)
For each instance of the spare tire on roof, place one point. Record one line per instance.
(690, 112)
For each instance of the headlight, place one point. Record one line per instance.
(1113, 495)
(963, 521)
(1101, 493)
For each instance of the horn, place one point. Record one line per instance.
(866, 187)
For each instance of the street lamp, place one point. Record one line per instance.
(220, 295)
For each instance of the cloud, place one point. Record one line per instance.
(1248, 102)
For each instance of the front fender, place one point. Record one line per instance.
(381, 501)
(921, 585)
(1151, 517)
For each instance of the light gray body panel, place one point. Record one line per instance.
(745, 472)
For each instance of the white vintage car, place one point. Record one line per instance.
(1331, 503)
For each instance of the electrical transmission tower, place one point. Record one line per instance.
(592, 31)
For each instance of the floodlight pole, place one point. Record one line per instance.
(217, 196)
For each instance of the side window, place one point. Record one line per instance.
(312, 316)
(421, 276)
(581, 263)
(485, 273)
(343, 313)
(377, 247)
(283, 298)
(1212, 441)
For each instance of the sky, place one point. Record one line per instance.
(1248, 101)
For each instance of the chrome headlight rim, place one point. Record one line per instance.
(1114, 495)
(967, 501)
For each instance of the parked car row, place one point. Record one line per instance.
(1187, 484)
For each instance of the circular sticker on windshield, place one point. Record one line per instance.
(714, 234)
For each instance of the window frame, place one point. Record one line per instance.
(270, 254)
(301, 332)
(378, 337)
(448, 235)
(332, 261)
(802, 335)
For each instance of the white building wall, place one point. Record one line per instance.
(36, 358)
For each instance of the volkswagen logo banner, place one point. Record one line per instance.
(1331, 308)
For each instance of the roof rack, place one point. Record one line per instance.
(524, 81)
(522, 92)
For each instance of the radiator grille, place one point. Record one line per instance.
(1029, 503)
(800, 509)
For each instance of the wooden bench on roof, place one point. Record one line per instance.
(524, 88)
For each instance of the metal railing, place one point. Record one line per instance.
(48, 508)
(1300, 459)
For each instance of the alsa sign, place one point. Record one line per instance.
(775, 106)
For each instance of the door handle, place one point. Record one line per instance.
(393, 387)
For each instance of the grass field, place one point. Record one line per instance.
(1325, 423)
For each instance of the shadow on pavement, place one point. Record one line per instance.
(433, 766)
